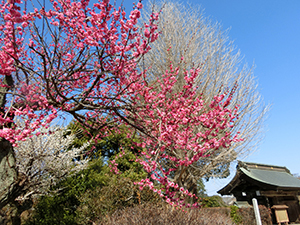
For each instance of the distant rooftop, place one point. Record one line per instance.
(275, 177)
(251, 165)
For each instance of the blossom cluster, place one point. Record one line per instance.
(81, 59)
(181, 129)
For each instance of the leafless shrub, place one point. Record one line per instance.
(248, 216)
(161, 214)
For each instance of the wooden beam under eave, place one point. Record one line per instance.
(278, 193)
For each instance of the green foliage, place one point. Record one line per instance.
(81, 136)
(61, 207)
(213, 201)
(201, 191)
(235, 215)
(120, 193)
(93, 193)
(129, 167)
(107, 145)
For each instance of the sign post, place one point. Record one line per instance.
(256, 211)
(281, 213)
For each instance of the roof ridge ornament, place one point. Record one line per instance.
(242, 164)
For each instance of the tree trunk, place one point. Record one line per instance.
(8, 173)
(184, 179)
(9, 184)
(15, 209)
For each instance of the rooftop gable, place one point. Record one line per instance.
(259, 166)
(274, 177)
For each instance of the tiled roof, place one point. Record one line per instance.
(271, 175)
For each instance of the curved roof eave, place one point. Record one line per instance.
(231, 185)
(266, 178)
(274, 178)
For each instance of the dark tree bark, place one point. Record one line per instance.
(8, 173)
(9, 181)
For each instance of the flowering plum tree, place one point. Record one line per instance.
(77, 58)
(71, 57)
(172, 145)
(186, 32)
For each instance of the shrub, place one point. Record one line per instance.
(60, 208)
(213, 201)
(55, 210)
(161, 214)
(247, 215)
(235, 216)
(119, 194)
(91, 194)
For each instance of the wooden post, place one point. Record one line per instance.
(256, 211)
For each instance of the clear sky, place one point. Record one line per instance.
(268, 34)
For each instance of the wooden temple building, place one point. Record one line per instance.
(270, 185)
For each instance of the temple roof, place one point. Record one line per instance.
(266, 176)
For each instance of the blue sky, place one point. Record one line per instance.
(268, 34)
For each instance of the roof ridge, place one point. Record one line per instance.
(252, 165)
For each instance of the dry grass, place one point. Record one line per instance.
(161, 214)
